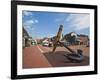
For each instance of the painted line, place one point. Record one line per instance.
(43, 56)
(40, 49)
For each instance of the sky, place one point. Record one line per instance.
(46, 24)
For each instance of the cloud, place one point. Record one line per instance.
(27, 13)
(78, 21)
(29, 23)
(36, 21)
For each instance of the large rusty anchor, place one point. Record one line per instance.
(73, 56)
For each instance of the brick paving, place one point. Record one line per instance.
(33, 58)
(41, 57)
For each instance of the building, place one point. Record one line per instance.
(34, 42)
(83, 39)
(26, 39)
(71, 38)
(75, 39)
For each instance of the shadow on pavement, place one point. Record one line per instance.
(57, 59)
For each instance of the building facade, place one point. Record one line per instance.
(26, 39)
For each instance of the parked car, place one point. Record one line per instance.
(46, 44)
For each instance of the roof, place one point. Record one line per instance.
(26, 33)
(82, 35)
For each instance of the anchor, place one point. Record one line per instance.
(73, 56)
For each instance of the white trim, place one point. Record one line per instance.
(21, 71)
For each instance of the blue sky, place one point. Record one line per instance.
(46, 24)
